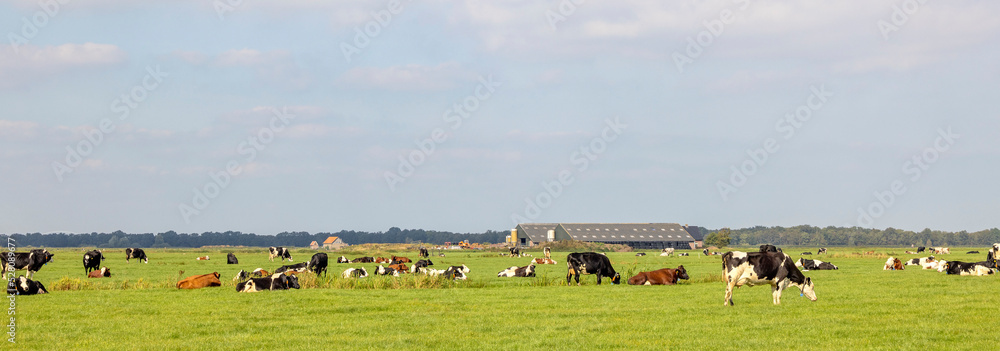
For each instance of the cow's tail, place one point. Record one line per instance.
(725, 258)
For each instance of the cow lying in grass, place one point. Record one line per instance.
(964, 268)
(666, 276)
(277, 281)
(104, 272)
(515, 271)
(893, 264)
(25, 286)
(200, 281)
(386, 271)
(355, 273)
(814, 265)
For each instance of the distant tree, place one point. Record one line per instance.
(718, 239)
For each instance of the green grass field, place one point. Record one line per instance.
(859, 306)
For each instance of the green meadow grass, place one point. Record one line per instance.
(860, 306)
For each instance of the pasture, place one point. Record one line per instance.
(859, 306)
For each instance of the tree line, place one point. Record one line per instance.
(805, 235)
(119, 239)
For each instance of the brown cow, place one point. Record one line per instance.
(400, 259)
(200, 281)
(202, 258)
(893, 264)
(544, 261)
(104, 272)
(260, 272)
(400, 267)
(664, 276)
(382, 260)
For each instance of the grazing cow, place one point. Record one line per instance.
(260, 272)
(515, 271)
(364, 260)
(202, 258)
(756, 268)
(683, 254)
(821, 251)
(386, 271)
(705, 251)
(515, 252)
(768, 248)
(92, 260)
(382, 260)
(919, 261)
(298, 268)
(814, 265)
(921, 249)
(893, 264)
(343, 259)
(31, 261)
(396, 259)
(318, 263)
(355, 273)
(135, 253)
(667, 251)
(590, 263)
(940, 250)
(666, 276)
(274, 282)
(200, 281)
(231, 259)
(964, 268)
(806, 253)
(401, 267)
(24, 286)
(103, 273)
(423, 253)
(241, 276)
(547, 252)
(544, 261)
(280, 252)
(641, 254)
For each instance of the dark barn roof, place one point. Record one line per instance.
(627, 232)
(537, 232)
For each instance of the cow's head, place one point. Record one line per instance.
(808, 289)
(617, 279)
(292, 282)
(682, 273)
(105, 272)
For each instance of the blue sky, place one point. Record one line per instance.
(639, 111)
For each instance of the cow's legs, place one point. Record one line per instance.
(730, 284)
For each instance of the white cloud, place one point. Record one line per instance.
(407, 77)
(32, 63)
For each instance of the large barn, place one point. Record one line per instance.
(640, 236)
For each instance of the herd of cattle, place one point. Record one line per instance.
(768, 266)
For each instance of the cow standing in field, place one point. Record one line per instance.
(547, 252)
(756, 268)
(318, 263)
(993, 255)
(667, 251)
(135, 253)
(231, 259)
(590, 263)
(200, 281)
(768, 248)
(280, 252)
(423, 253)
(921, 249)
(25, 286)
(821, 251)
(666, 276)
(104, 272)
(92, 261)
(515, 271)
(515, 252)
(30, 261)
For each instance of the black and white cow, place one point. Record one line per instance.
(318, 263)
(683, 254)
(919, 261)
(806, 253)
(355, 273)
(821, 251)
(921, 249)
(135, 253)
(768, 248)
(515, 271)
(31, 261)
(964, 268)
(590, 263)
(25, 286)
(298, 268)
(231, 259)
(515, 251)
(241, 276)
(640, 254)
(423, 253)
(279, 252)
(92, 260)
(814, 265)
(380, 270)
(756, 268)
(456, 272)
(993, 256)
(274, 282)
(343, 259)
(705, 251)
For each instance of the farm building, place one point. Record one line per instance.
(313, 245)
(640, 236)
(333, 243)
